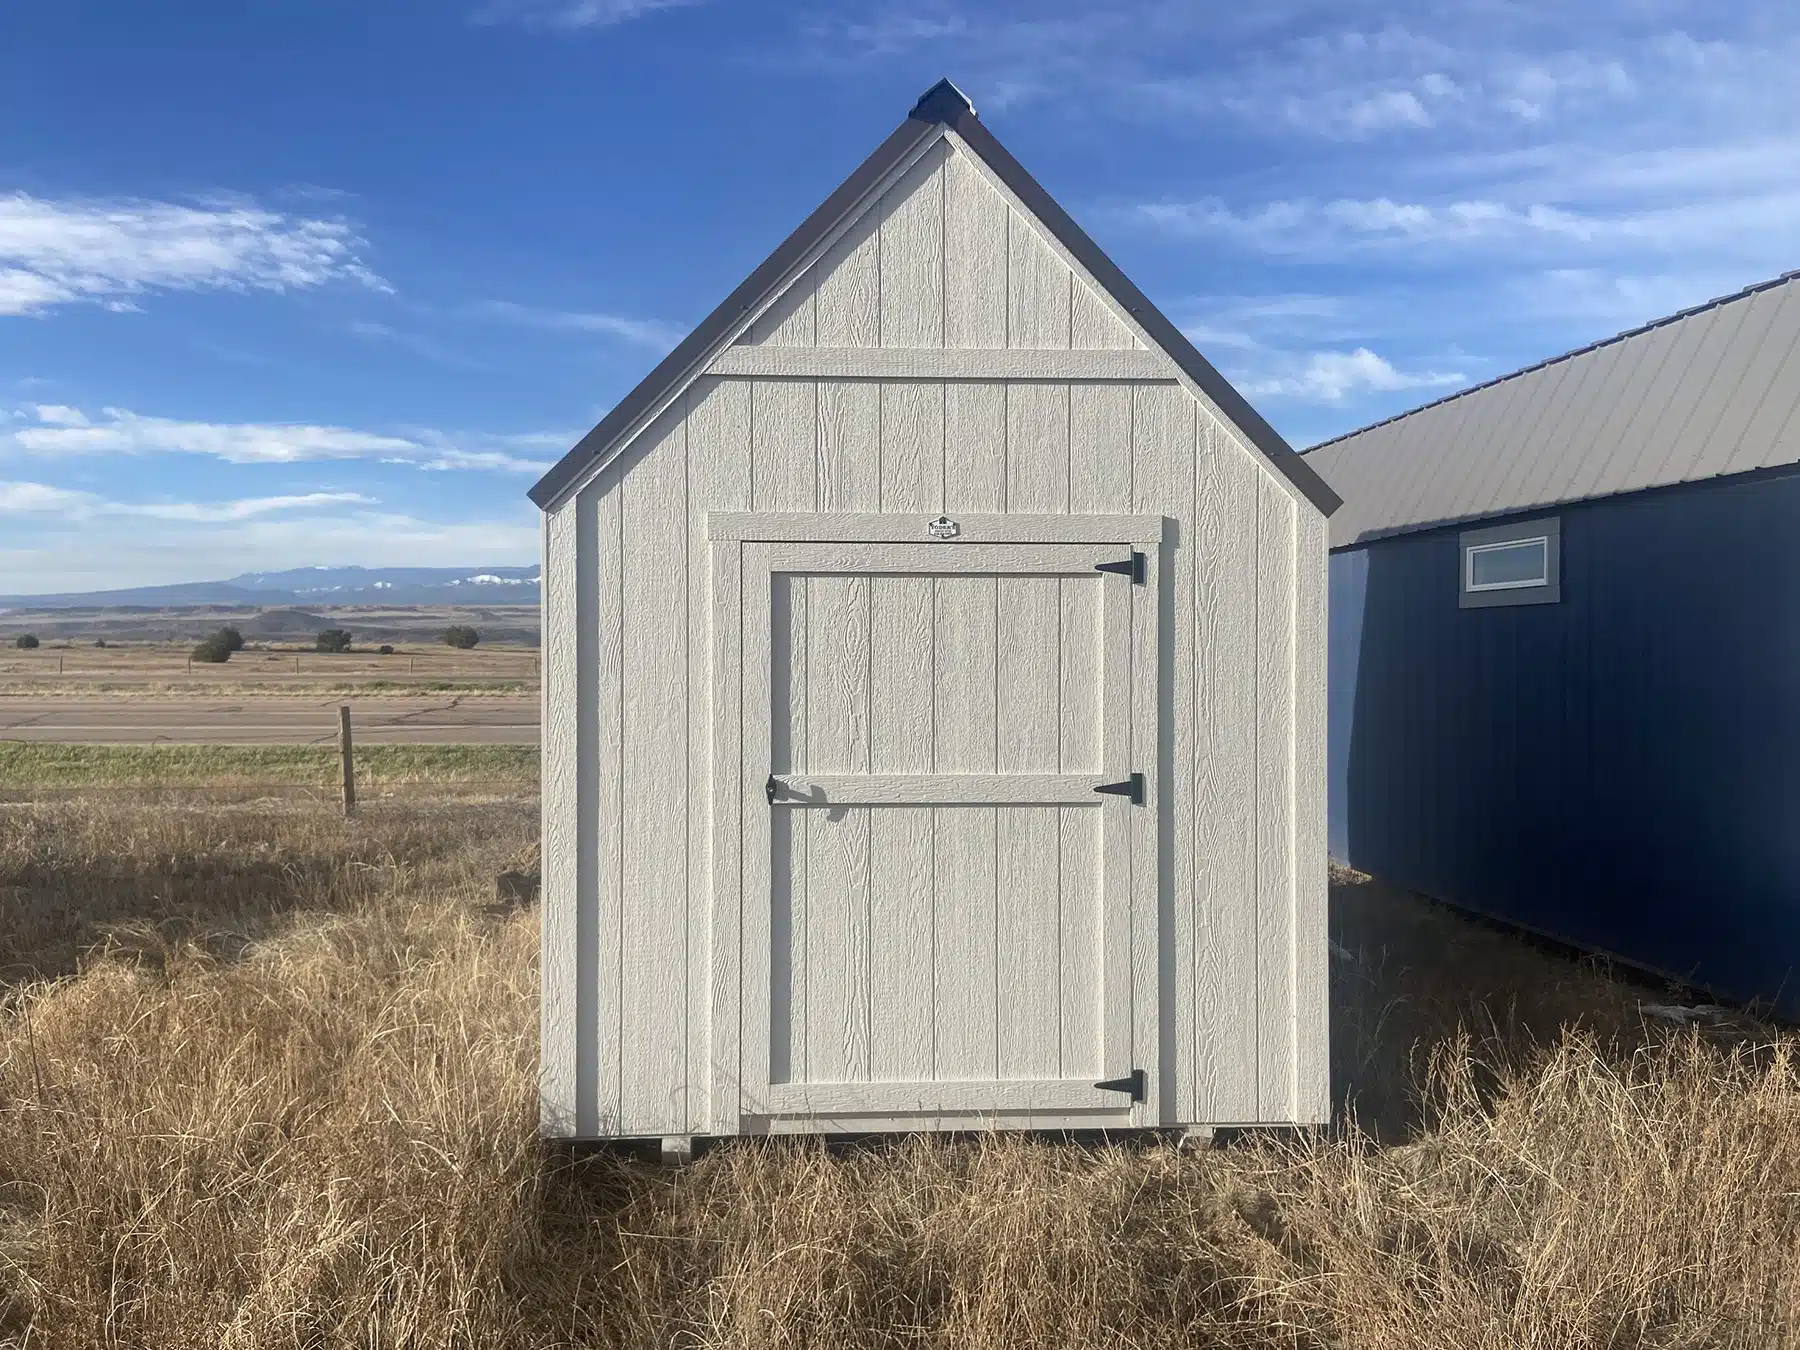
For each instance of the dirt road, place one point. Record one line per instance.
(446, 719)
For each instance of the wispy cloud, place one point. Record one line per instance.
(653, 333)
(110, 252)
(571, 15)
(1331, 377)
(60, 431)
(37, 499)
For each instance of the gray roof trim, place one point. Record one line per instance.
(942, 104)
(1641, 329)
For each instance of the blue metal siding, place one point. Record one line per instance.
(1621, 769)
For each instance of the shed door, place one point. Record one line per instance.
(936, 899)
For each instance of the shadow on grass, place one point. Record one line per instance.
(1409, 974)
(148, 875)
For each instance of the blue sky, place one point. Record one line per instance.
(290, 282)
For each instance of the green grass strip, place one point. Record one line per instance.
(26, 765)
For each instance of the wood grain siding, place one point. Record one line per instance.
(565, 1096)
(1218, 812)
(651, 1013)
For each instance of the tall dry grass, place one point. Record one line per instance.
(270, 1084)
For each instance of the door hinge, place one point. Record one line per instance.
(1132, 1082)
(1132, 788)
(1132, 567)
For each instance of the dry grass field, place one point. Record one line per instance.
(163, 668)
(266, 1079)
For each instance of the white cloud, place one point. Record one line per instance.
(654, 333)
(106, 252)
(20, 499)
(1331, 377)
(29, 499)
(68, 432)
(569, 15)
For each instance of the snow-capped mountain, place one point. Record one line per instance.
(319, 586)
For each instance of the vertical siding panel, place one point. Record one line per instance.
(964, 677)
(654, 910)
(1028, 741)
(1079, 705)
(912, 255)
(849, 445)
(901, 881)
(974, 447)
(602, 747)
(1038, 291)
(837, 842)
(788, 646)
(912, 446)
(848, 303)
(1312, 1067)
(1092, 324)
(789, 321)
(718, 436)
(975, 231)
(1037, 447)
(1220, 700)
(1163, 441)
(1081, 939)
(560, 1006)
(1275, 889)
(783, 436)
(1100, 448)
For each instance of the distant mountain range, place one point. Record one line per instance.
(314, 586)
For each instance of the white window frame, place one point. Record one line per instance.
(1541, 580)
(1544, 531)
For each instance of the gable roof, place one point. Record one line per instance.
(1709, 391)
(941, 105)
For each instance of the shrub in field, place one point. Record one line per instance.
(231, 638)
(99, 642)
(213, 650)
(386, 649)
(461, 635)
(25, 640)
(333, 640)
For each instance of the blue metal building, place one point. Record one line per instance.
(1565, 647)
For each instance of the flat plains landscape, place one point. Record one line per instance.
(153, 692)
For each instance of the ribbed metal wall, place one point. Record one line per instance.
(1621, 769)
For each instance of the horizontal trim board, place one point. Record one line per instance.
(940, 363)
(939, 789)
(817, 559)
(990, 528)
(844, 1099)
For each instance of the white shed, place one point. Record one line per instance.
(934, 693)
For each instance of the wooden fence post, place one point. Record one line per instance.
(349, 759)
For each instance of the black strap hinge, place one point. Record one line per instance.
(1132, 1082)
(1132, 788)
(1132, 567)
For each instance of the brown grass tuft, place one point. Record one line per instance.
(266, 1079)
